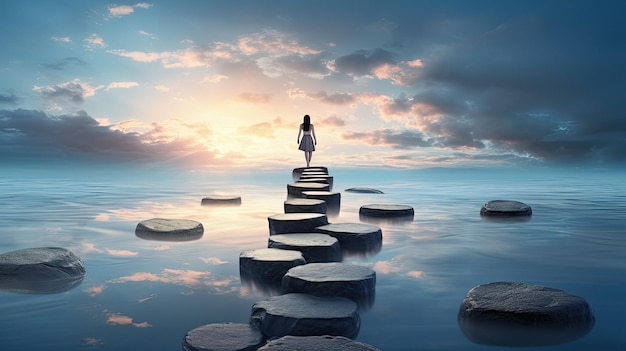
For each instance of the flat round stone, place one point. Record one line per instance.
(298, 171)
(221, 200)
(296, 222)
(332, 199)
(517, 314)
(169, 229)
(362, 190)
(41, 270)
(316, 180)
(329, 178)
(296, 189)
(223, 337)
(355, 238)
(355, 282)
(505, 208)
(305, 206)
(315, 247)
(306, 315)
(386, 210)
(268, 266)
(316, 343)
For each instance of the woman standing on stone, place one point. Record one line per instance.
(309, 140)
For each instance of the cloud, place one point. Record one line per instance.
(122, 85)
(322, 96)
(213, 260)
(64, 63)
(61, 39)
(149, 35)
(95, 290)
(363, 62)
(272, 42)
(94, 41)
(120, 319)
(123, 253)
(123, 10)
(333, 121)
(194, 56)
(187, 278)
(9, 98)
(255, 97)
(74, 91)
(404, 139)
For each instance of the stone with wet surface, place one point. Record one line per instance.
(268, 266)
(328, 178)
(40, 270)
(362, 190)
(386, 210)
(315, 247)
(296, 222)
(296, 189)
(505, 208)
(355, 237)
(306, 315)
(223, 337)
(332, 199)
(355, 282)
(316, 343)
(518, 314)
(305, 206)
(169, 229)
(221, 200)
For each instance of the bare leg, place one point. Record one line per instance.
(307, 157)
(310, 156)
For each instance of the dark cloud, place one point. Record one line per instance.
(64, 63)
(397, 139)
(73, 91)
(362, 62)
(304, 64)
(9, 98)
(333, 121)
(31, 134)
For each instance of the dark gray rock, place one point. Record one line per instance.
(221, 200)
(41, 270)
(332, 199)
(362, 190)
(297, 172)
(354, 282)
(296, 222)
(386, 210)
(265, 268)
(355, 238)
(316, 343)
(505, 208)
(296, 189)
(224, 337)
(315, 247)
(305, 206)
(517, 314)
(163, 229)
(306, 315)
(329, 179)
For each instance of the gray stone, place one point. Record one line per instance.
(224, 337)
(305, 206)
(296, 189)
(355, 238)
(517, 314)
(296, 222)
(329, 179)
(265, 268)
(221, 200)
(362, 190)
(505, 208)
(316, 343)
(386, 210)
(311, 173)
(169, 229)
(332, 199)
(354, 282)
(315, 247)
(306, 315)
(41, 270)
(317, 180)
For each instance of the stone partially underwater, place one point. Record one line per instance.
(316, 343)
(222, 337)
(295, 222)
(263, 269)
(305, 206)
(506, 211)
(314, 247)
(356, 239)
(42, 270)
(163, 229)
(517, 314)
(221, 200)
(386, 214)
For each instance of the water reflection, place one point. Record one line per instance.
(378, 220)
(37, 285)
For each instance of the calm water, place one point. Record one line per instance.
(145, 295)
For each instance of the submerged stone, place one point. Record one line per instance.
(305, 206)
(362, 190)
(223, 337)
(296, 189)
(355, 282)
(306, 315)
(332, 199)
(169, 229)
(265, 268)
(41, 270)
(296, 222)
(315, 247)
(316, 343)
(355, 238)
(221, 200)
(517, 314)
(505, 208)
(386, 214)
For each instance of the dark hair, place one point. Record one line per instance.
(307, 123)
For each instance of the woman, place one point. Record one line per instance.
(308, 142)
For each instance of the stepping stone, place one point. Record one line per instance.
(355, 238)
(298, 171)
(169, 229)
(41, 270)
(296, 222)
(315, 180)
(386, 214)
(221, 200)
(332, 199)
(305, 206)
(505, 208)
(265, 268)
(354, 282)
(296, 189)
(329, 179)
(309, 173)
(517, 314)
(223, 337)
(314, 247)
(306, 315)
(361, 190)
(316, 343)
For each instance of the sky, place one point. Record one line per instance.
(214, 84)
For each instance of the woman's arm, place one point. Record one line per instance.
(299, 132)
(313, 134)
